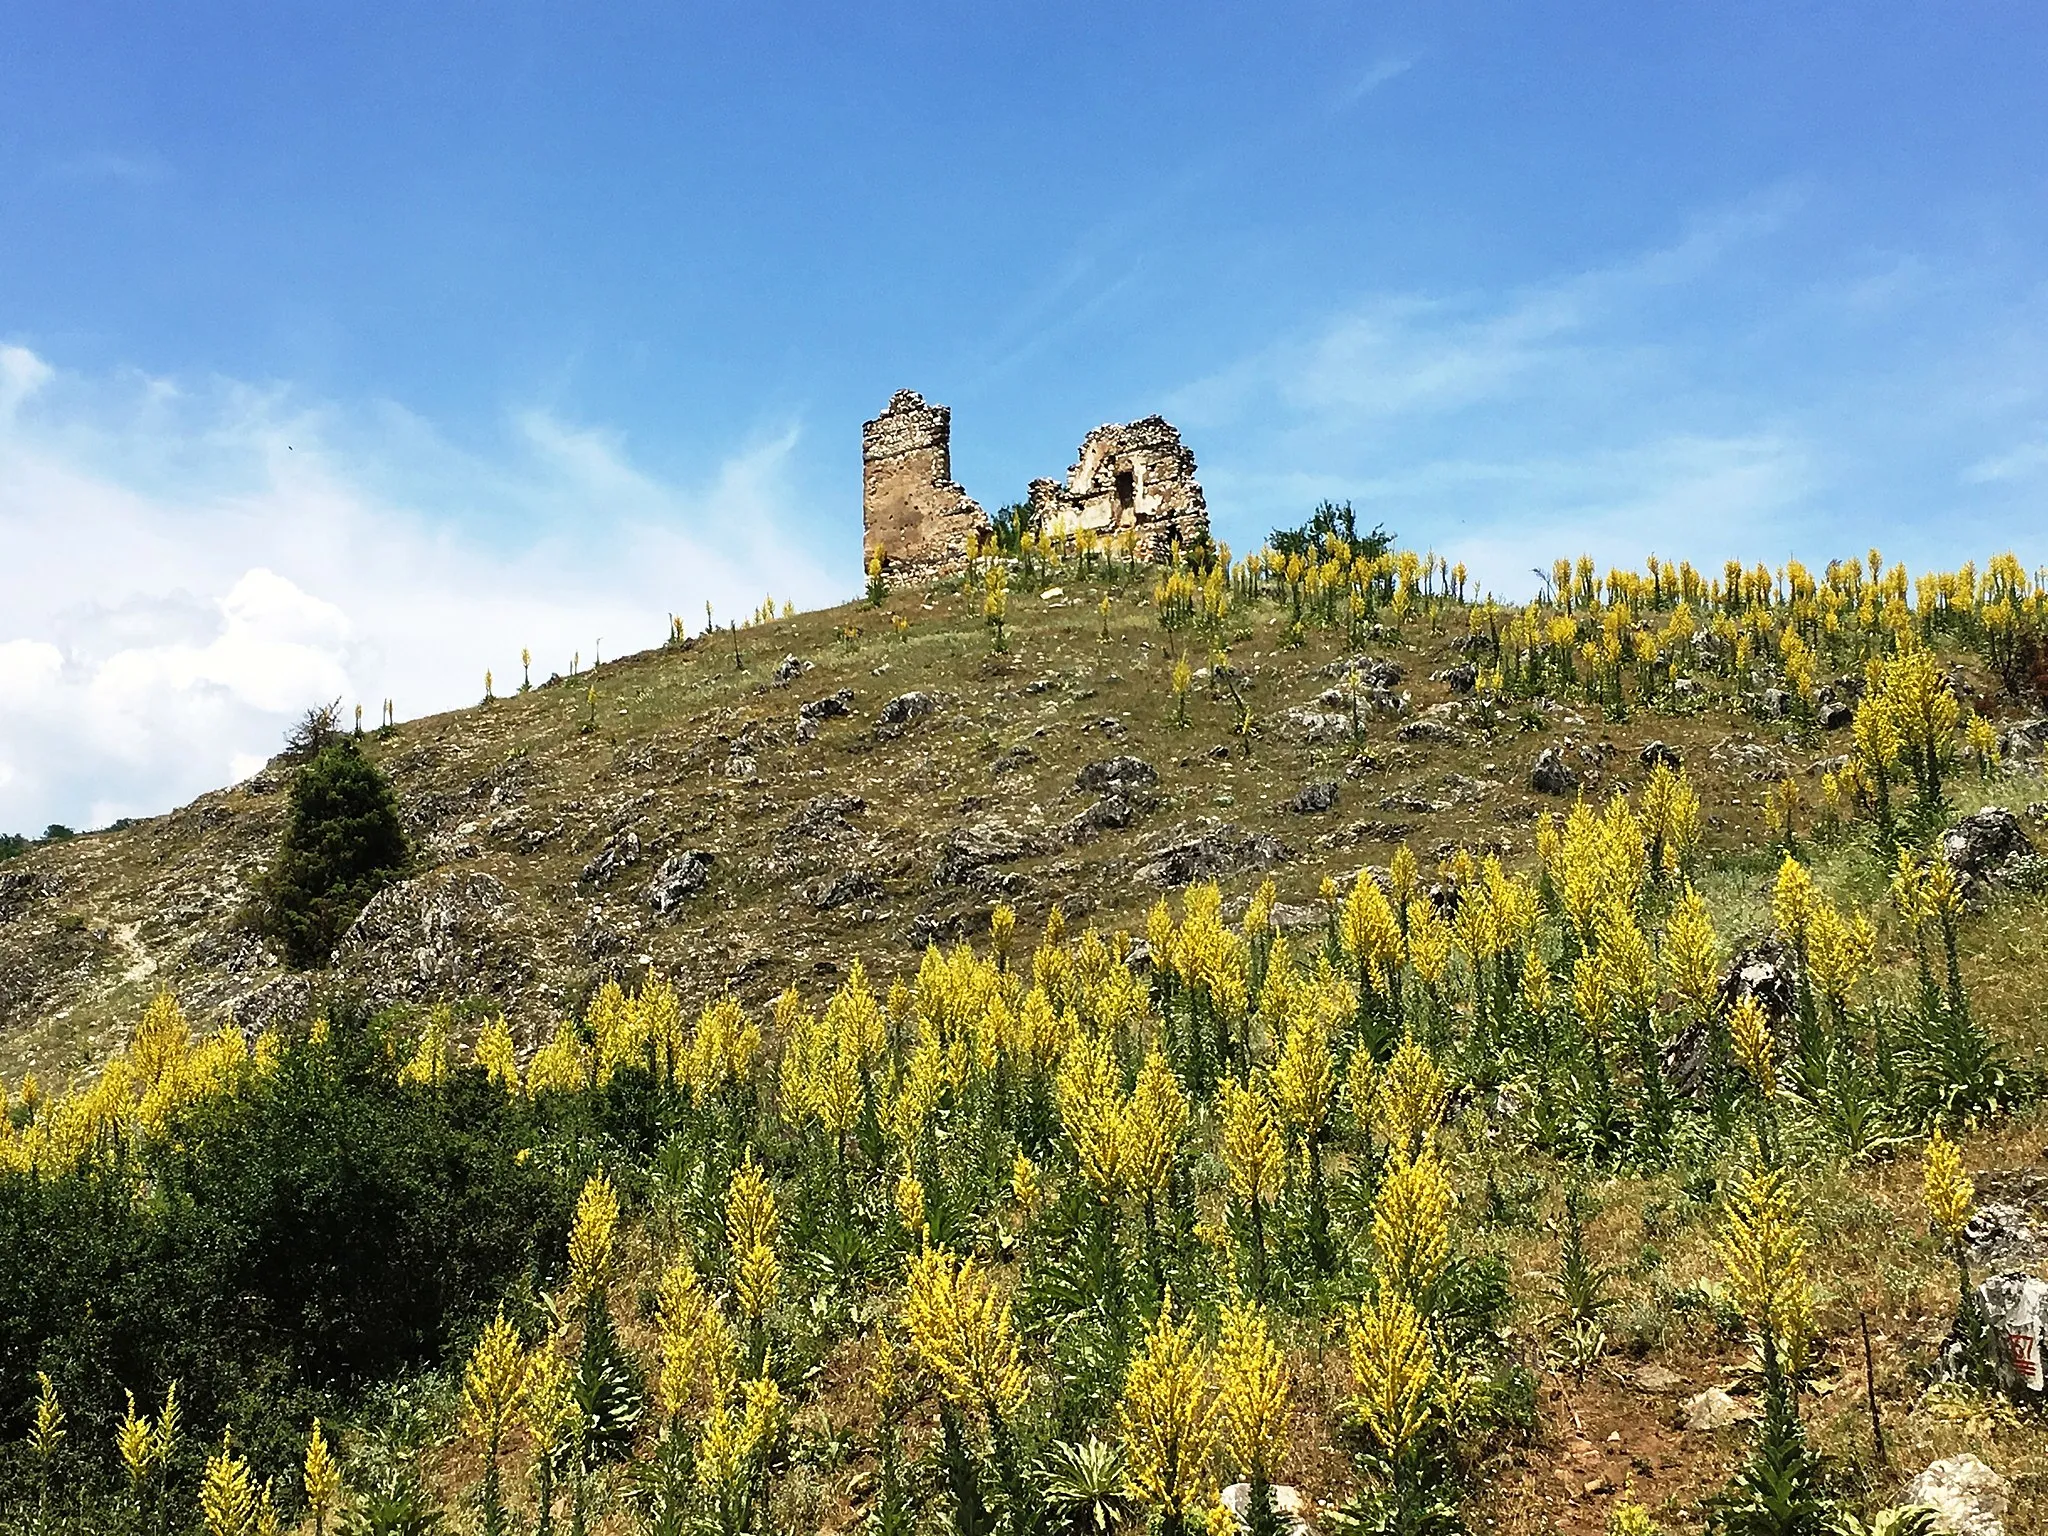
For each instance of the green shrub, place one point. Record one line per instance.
(279, 1252)
(342, 845)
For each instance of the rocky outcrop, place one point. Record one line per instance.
(1209, 850)
(1987, 847)
(444, 935)
(1552, 775)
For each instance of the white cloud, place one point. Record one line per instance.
(22, 373)
(191, 564)
(2028, 461)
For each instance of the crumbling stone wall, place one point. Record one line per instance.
(1139, 476)
(912, 510)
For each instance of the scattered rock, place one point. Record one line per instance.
(621, 852)
(1207, 851)
(1982, 847)
(1686, 1060)
(1287, 1503)
(1462, 678)
(842, 890)
(1552, 775)
(789, 669)
(900, 712)
(17, 889)
(1314, 799)
(966, 853)
(1656, 752)
(1314, 727)
(1766, 971)
(2027, 739)
(1110, 812)
(1658, 1379)
(1712, 1409)
(1834, 714)
(1374, 672)
(1741, 757)
(832, 706)
(824, 816)
(1969, 1499)
(1430, 730)
(2037, 812)
(1117, 775)
(681, 874)
(1011, 760)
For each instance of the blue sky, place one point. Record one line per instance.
(346, 349)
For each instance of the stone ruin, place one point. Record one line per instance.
(914, 512)
(1136, 478)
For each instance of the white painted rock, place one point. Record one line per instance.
(1968, 1498)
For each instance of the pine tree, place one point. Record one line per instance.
(342, 844)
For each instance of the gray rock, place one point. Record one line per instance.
(1766, 971)
(966, 853)
(2027, 739)
(621, 852)
(1462, 678)
(901, 712)
(789, 669)
(1983, 845)
(1430, 730)
(841, 890)
(1834, 715)
(1552, 775)
(1012, 760)
(1207, 851)
(1712, 1410)
(1655, 752)
(1111, 812)
(438, 936)
(1117, 775)
(1313, 727)
(2016, 1315)
(1968, 1498)
(1658, 1379)
(681, 875)
(1374, 672)
(812, 715)
(1315, 798)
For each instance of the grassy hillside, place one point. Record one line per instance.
(1372, 972)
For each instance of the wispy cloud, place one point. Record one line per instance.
(110, 166)
(1712, 397)
(193, 563)
(2025, 462)
(1376, 74)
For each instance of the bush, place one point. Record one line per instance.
(279, 1251)
(342, 845)
(1332, 517)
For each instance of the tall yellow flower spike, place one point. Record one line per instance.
(592, 1237)
(1253, 1397)
(1167, 1419)
(1948, 1190)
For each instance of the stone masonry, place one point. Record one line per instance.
(913, 511)
(1136, 477)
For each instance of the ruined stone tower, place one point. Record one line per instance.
(911, 508)
(1139, 477)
